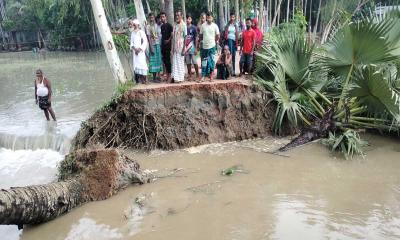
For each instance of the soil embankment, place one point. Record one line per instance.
(179, 116)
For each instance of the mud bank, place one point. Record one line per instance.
(179, 116)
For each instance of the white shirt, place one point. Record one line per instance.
(209, 32)
(139, 40)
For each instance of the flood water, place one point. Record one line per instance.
(307, 194)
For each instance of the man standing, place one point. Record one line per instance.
(190, 47)
(259, 39)
(247, 48)
(178, 48)
(209, 36)
(166, 33)
(138, 46)
(232, 36)
(154, 35)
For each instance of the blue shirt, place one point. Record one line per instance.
(191, 38)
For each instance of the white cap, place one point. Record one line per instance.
(136, 22)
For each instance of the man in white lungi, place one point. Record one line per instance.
(178, 48)
(138, 46)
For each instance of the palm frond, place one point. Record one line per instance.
(359, 43)
(348, 143)
(374, 91)
(291, 105)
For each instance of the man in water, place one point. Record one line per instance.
(247, 48)
(138, 46)
(209, 36)
(43, 94)
(178, 48)
(154, 35)
(191, 48)
(166, 33)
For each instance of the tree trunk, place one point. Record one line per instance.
(261, 16)
(183, 9)
(294, 9)
(319, 129)
(287, 10)
(317, 21)
(277, 13)
(140, 12)
(270, 14)
(309, 19)
(108, 42)
(305, 8)
(169, 9)
(148, 7)
(237, 10)
(38, 40)
(162, 6)
(101, 174)
(221, 13)
(42, 39)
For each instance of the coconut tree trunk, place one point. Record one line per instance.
(101, 173)
(305, 8)
(162, 5)
(261, 16)
(317, 20)
(169, 9)
(237, 9)
(108, 42)
(270, 14)
(183, 9)
(140, 15)
(221, 13)
(294, 8)
(277, 12)
(42, 39)
(38, 40)
(319, 129)
(309, 19)
(287, 10)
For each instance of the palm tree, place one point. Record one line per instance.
(352, 82)
(108, 42)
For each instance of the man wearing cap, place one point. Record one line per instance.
(138, 46)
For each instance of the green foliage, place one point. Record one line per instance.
(285, 69)
(348, 143)
(355, 75)
(122, 43)
(119, 91)
(298, 25)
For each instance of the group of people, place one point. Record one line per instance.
(163, 47)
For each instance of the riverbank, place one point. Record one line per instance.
(173, 116)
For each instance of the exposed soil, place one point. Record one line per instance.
(179, 116)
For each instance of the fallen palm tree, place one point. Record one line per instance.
(85, 175)
(332, 91)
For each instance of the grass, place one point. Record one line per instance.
(119, 91)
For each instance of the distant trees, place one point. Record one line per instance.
(70, 23)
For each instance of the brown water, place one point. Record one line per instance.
(311, 194)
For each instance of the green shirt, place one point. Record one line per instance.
(209, 32)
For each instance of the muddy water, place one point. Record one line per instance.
(30, 147)
(80, 81)
(309, 195)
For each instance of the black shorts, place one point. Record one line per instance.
(44, 102)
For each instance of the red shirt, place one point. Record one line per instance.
(248, 40)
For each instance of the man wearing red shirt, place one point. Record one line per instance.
(247, 48)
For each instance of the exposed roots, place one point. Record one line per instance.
(176, 117)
